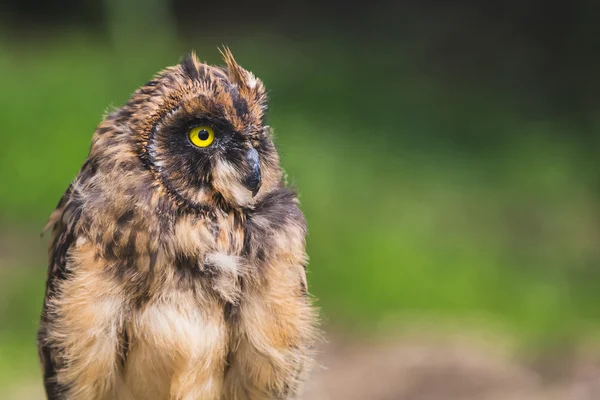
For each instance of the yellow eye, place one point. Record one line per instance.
(202, 136)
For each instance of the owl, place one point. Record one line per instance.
(177, 258)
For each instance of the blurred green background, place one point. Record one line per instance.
(446, 156)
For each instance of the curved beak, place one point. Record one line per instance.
(252, 180)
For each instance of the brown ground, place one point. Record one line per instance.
(418, 368)
(449, 369)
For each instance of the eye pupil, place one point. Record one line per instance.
(203, 134)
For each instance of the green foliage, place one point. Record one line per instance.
(411, 210)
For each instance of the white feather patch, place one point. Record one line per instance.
(224, 262)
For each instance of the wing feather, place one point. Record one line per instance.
(62, 222)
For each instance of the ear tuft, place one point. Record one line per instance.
(246, 81)
(237, 74)
(190, 64)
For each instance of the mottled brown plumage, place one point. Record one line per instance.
(178, 272)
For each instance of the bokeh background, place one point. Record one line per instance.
(447, 159)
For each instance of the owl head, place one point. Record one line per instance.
(198, 133)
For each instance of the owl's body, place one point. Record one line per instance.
(178, 271)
